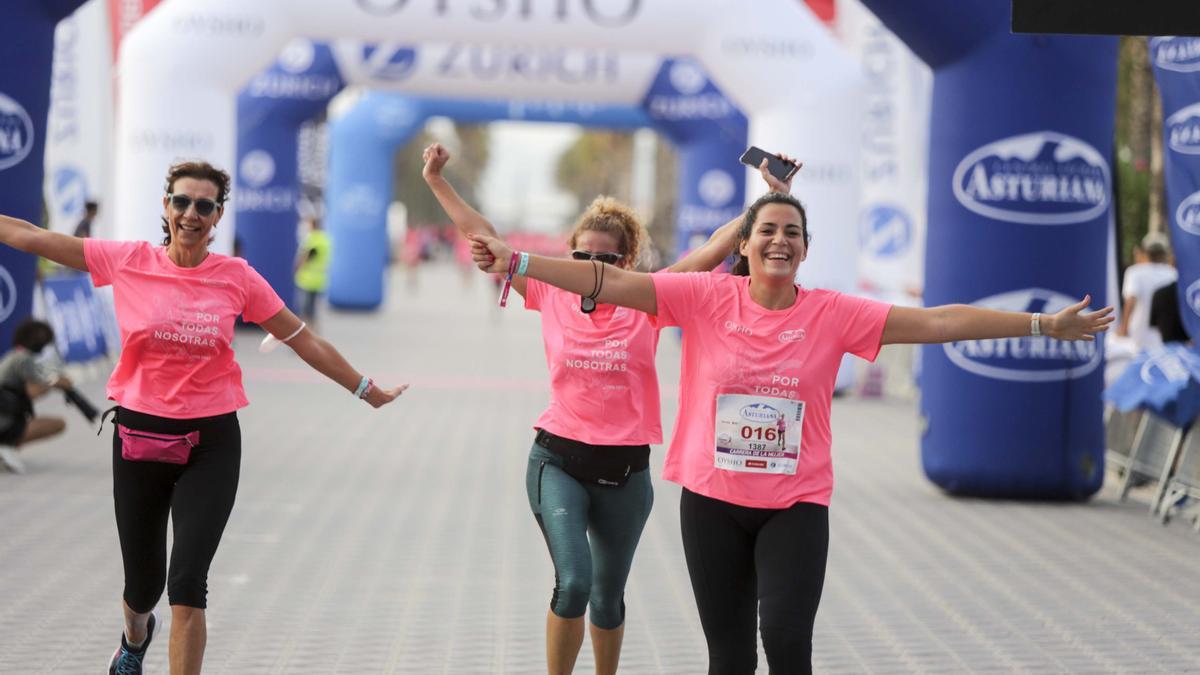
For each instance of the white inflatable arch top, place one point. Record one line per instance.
(181, 68)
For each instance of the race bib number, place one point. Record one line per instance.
(758, 434)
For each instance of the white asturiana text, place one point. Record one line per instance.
(1027, 188)
(1027, 348)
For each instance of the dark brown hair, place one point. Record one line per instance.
(199, 171)
(606, 214)
(33, 335)
(741, 266)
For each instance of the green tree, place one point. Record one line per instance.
(1139, 179)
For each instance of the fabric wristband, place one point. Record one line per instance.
(362, 386)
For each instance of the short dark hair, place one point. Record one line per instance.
(741, 266)
(199, 171)
(33, 335)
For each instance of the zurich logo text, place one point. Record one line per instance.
(1026, 359)
(1040, 178)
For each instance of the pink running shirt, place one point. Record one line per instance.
(177, 327)
(603, 386)
(732, 345)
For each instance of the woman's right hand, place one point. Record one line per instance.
(490, 254)
(435, 157)
(378, 397)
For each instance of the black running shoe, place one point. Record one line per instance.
(127, 660)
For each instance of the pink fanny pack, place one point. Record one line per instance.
(147, 446)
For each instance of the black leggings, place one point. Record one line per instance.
(748, 563)
(198, 496)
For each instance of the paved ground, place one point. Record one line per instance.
(399, 541)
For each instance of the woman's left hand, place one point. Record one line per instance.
(776, 185)
(1073, 323)
(378, 396)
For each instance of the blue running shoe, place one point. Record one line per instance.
(127, 660)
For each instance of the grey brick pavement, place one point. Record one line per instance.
(399, 541)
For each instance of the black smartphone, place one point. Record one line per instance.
(780, 168)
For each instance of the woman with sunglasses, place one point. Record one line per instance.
(754, 516)
(177, 443)
(587, 477)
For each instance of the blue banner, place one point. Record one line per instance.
(1019, 202)
(271, 109)
(1176, 63)
(77, 316)
(26, 50)
(710, 133)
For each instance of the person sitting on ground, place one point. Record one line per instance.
(23, 379)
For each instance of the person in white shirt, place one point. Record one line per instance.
(1150, 272)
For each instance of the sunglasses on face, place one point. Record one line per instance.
(204, 207)
(610, 258)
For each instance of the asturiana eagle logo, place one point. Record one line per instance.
(1187, 214)
(759, 412)
(8, 294)
(16, 133)
(1182, 130)
(1193, 297)
(1040, 178)
(1026, 359)
(1169, 365)
(1180, 54)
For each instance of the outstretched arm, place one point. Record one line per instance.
(325, 358)
(25, 236)
(724, 239)
(466, 219)
(949, 323)
(615, 286)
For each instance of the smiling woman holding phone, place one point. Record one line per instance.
(586, 477)
(752, 443)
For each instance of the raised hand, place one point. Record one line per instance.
(773, 183)
(490, 254)
(435, 157)
(1073, 323)
(379, 397)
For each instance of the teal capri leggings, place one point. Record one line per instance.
(588, 570)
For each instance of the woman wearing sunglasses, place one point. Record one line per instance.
(754, 511)
(587, 477)
(177, 443)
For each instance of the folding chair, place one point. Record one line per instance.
(1184, 483)
(1120, 429)
(1155, 446)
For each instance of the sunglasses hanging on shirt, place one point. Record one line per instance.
(204, 207)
